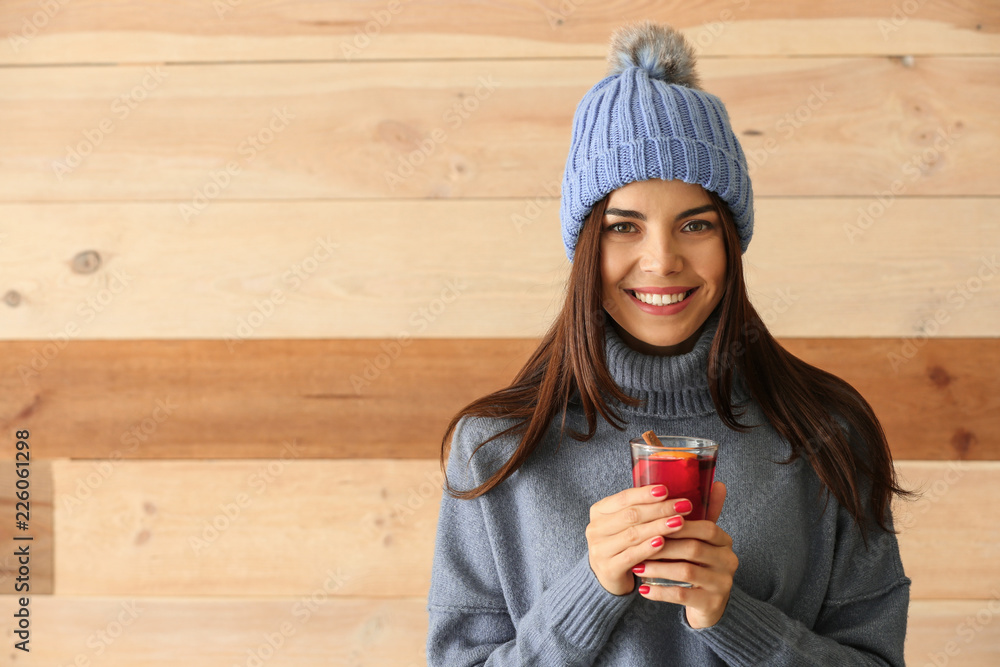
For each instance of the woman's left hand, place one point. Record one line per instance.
(707, 561)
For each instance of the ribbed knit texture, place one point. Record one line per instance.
(673, 386)
(512, 585)
(630, 127)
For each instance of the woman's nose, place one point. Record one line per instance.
(660, 255)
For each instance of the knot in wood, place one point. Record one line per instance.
(87, 261)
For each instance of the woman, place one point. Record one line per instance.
(540, 535)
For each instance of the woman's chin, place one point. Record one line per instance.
(659, 342)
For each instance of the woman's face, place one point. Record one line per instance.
(661, 242)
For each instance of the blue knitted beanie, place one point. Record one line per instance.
(650, 119)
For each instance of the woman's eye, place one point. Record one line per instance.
(619, 227)
(698, 226)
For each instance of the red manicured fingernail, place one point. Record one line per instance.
(674, 522)
(657, 542)
(643, 590)
(682, 506)
(639, 569)
(659, 491)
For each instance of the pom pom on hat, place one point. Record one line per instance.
(649, 118)
(659, 49)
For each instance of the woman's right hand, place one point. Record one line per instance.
(627, 528)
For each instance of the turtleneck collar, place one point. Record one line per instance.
(670, 386)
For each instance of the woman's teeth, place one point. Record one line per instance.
(660, 299)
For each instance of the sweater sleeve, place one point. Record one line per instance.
(862, 620)
(469, 619)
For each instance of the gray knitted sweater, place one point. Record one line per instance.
(512, 584)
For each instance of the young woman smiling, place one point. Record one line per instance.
(540, 535)
(663, 254)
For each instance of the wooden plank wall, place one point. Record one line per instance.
(254, 255)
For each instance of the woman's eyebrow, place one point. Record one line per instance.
(625, 213)
(695, 211)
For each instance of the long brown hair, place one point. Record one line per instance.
(797, 399)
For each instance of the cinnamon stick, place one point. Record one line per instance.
(651, 439)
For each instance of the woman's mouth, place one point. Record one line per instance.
(661, 299)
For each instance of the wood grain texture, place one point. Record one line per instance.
(240, 528)
(959, 632)
(950, 537)
(274, 527)
(822, 268)
(38, 579)
(192, 134)
(376, 29)
(136, 631)
(245, 270)
(195, 399)
(358, 631)
(466, 268)
(922, 390)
